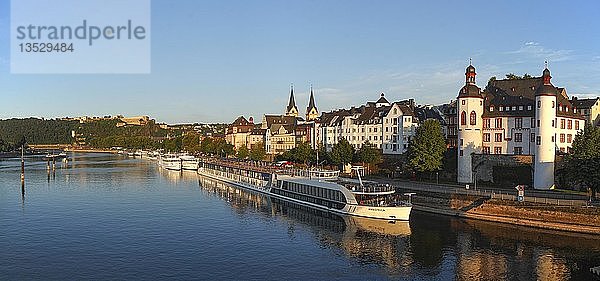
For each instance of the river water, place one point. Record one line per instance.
(105, 217)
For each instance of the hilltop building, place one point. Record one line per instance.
(515, 116)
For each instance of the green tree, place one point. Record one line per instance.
(342, 153)
(527, 76)
(368, 154)
(304, 153)
(583, 161)
(242, 152)
(257, 151)
(191, 142)
(426, 149)
(512, 76)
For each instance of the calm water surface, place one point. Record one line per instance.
(105, 217)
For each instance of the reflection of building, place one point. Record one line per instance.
(515, 116)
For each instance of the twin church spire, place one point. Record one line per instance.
(311, 111)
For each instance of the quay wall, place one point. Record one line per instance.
(561, 218)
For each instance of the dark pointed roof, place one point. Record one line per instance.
(382, 99)
(470, 89)
(292, 102)
(311, 102)
(546, 88)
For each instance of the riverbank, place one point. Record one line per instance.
(559, 218)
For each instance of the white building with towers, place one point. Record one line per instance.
(516, 116)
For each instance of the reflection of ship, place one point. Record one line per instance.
(369, 240)
(316, 189)
(54, 157)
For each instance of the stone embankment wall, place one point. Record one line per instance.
(574, 219)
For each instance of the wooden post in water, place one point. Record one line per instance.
(22, 171)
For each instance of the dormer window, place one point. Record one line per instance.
(514, 108)
(491, 109)
(500, 108)
(520, 107)
(512, 89)
(529, 107)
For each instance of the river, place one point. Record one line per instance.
(106, 217)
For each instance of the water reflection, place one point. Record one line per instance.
(96, 194)
(434, 247)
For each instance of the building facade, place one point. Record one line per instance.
(515, 116)
(387, 126)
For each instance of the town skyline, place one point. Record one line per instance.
(223, 60)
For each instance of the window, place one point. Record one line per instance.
(552, 123)
(519, 123)
(461, 152)
(518, 137)
(498, 137)
(539, 104)
(562, 138)
(473, 118)
(570, 124)
(538, 122)
(520, 107)
(529, 107)
(514, 108)
(552, 138)
(538, 140)
(576, 124)
(552, 104)
(518, 150)
(569, 138)
(532, 137)
(500, 108)
(486, 123)
(486, 150)
(562, 123)
(497, 150)
(463, 102)
(532, 122)
(491, 110)
(498, 122)
(463, 118)
(462, 141)
(486, 137)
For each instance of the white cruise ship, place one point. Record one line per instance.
(170, 162)
(318, 189)
(189, 162)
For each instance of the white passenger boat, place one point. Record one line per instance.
(170, 162)
(189, 162)
(317, 188)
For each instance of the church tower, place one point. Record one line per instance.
(291, 109)
(545, 113)
(311, 111)
(470, 125)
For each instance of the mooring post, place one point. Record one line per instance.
(22, 171)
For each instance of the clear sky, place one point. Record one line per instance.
(215, 60)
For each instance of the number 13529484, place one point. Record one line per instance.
(46, 47)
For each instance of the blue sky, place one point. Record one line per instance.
(215, 60)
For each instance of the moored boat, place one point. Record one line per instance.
(189, 162)
(316, 188)
(170, 162)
